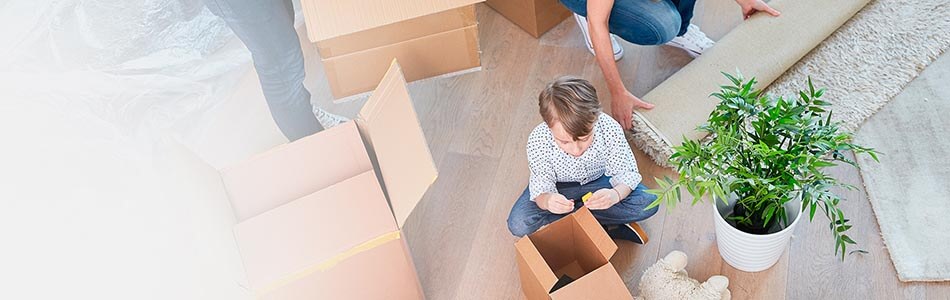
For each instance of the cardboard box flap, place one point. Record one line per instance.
(534, 264)
(313, 230)
(595, 232)
(294, 170)
(332, 18)
(602, 283)
(388, 121)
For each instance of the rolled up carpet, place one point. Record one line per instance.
(762, 46)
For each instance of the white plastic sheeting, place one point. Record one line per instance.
(97, 198)
(141, 67)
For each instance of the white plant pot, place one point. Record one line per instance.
(752, 252)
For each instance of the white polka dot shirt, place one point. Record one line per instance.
(609, 154)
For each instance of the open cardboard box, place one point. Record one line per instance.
(534, 16)
(575, 246)
(356, 38)
(316, 221)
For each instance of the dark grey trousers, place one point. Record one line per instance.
(267, 29)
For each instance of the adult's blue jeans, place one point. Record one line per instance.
(644, 22)
(267, 29)
(526, 217)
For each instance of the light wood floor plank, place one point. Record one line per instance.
(477, 124)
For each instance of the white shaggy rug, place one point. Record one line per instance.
(872, 57)
(863, 64)
(909, 189)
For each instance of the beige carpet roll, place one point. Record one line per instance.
(762, 46)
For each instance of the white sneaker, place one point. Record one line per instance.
(328, 120)
(582, 23)
(695, 42)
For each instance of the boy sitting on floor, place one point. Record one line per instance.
(578, 149)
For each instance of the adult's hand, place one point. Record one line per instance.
(622, 105)
(750, 7)
(555, 203)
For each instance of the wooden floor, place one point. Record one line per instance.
(477, 124)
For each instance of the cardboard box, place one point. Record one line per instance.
(575, 246)
(321, 216)
(534, 16)
(328, 19)
(438, 39)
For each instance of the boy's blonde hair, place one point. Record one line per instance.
(571, 101)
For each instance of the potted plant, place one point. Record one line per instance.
(763, 164)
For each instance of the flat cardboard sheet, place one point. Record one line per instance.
(398, 32)
(327, 19)
(428, 56)
(294, 170)
(389, 122)
(384, 272)
(313, 229)
(763, 47)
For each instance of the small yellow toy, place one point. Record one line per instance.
(586, 196)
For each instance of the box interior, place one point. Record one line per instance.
(568, 249)
(316, 162)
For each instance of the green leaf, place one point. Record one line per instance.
(733, 79)
(847, 239)
(811, 214)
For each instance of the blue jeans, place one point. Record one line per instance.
(267, 29)
(644, 22)
(526, 217)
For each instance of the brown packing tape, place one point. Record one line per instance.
(397, 32)
(384, 272)
(330, 262)
(420, 58)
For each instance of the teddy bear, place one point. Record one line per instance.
(667, 279)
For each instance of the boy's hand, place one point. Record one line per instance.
(556, 204)
(603, 199)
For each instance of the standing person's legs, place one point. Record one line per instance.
(642, 22)
(267, 29)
